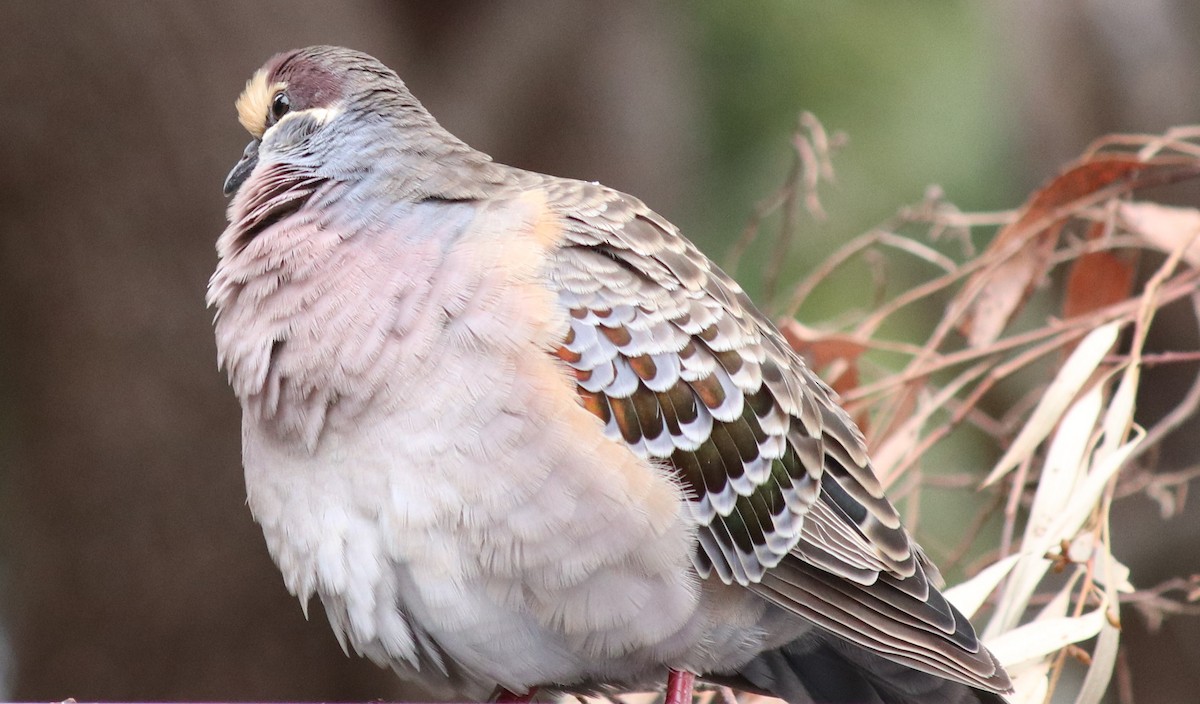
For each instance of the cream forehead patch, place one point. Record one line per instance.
(254, 101)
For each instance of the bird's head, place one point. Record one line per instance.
(302, 103)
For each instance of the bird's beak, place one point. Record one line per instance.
(243, 168)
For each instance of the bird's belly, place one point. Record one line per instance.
(513, 546)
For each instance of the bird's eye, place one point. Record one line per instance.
(280, 105)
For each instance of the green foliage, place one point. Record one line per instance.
(913, 85)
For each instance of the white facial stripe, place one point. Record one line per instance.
(320, 115)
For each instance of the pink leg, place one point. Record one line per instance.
(679, 687)
(507, 697)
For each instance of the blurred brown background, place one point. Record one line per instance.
(131, 568)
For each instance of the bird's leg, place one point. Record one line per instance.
(679, 687)
(507, 697)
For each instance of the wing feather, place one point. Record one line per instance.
(674, 358)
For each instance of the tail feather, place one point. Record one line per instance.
(821, 669)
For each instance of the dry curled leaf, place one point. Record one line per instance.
(1023, 248)
(1165, 227)
(1098, 279)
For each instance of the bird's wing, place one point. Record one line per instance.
(671, 354)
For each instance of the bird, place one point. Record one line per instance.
(520, 437)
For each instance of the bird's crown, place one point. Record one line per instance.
(316, 80)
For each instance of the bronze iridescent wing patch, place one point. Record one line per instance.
(679, 365)
(670, 353)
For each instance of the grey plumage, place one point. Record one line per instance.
(516, 431)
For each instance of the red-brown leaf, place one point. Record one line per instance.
(1098, 279)
(1027, 243)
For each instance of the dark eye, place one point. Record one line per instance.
(280, 105)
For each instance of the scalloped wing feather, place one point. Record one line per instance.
(680, 365)
(672, 356)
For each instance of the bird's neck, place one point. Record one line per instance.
(439, 166)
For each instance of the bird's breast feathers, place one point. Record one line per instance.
(466, 462)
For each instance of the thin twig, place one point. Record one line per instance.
(1182, 285)
(976, 526)
(1012, 505)
(1180, 414)
(1145, 480)
(873, 238)
(788, 221)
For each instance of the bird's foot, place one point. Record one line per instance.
(679, 687)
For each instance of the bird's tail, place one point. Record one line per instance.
(823, 669)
